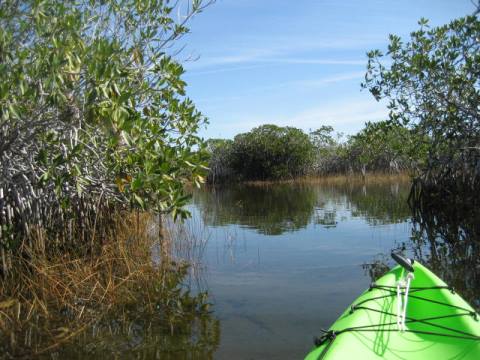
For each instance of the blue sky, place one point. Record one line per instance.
(296, 63)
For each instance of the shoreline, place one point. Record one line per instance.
(369, 178)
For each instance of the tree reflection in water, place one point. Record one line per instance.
(446, 238)
(446, 235)
(270, 209)
(277, 208)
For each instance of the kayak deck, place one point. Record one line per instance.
(439, 323)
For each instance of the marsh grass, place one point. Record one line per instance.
(369, 178)
(49, 301)
(188, 241)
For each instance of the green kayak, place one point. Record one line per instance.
(409, 313)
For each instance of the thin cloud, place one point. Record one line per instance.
(348, 116)
(263, 62)
(284, 50)
(314, 83)
(224, 69)
(319, 61)
(297, 84)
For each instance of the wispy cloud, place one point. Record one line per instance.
(284, 50)
(307, 84)
(225, 69)
(319, 61)
(347, 116)
(224, 64)
(314, 83)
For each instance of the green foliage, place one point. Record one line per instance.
(330, 152)
(220, 169)
(271, 152)
(433, 85)
(323, 137)
(266, 152)
(386, 146)
(93, 108)
(381, 147)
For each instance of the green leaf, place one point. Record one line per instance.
(139, 200)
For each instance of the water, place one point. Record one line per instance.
(283, 261)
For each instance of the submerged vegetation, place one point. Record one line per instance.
(127, 294)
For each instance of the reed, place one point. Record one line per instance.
(48, 299)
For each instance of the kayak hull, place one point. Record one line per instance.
(439, 323)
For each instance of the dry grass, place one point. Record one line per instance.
(48, 299)
(370, 178)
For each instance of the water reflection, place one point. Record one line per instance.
(296, 263)
(284, 260)
(278, 208)
(299, 252)
(271, 210)
(446, 238)
(381, 203)
(142, 338)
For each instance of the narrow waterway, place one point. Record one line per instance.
(283, 261)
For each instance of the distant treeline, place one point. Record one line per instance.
(271, 152)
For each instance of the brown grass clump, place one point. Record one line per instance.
(48, 300)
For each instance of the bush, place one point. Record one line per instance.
(266, 152)
(93, 115)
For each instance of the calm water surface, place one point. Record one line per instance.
(284, 260)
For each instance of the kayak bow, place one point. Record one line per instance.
(409, 313)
